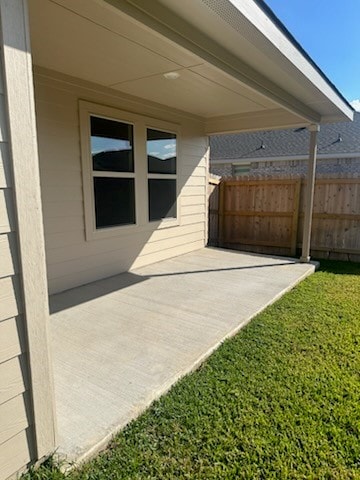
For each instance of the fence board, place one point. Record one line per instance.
(213, 195)
(269, 213)
(221, 212)
(259, 213)
(295, 218)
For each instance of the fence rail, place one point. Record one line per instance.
(266, 216)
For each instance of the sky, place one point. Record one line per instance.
(329, 31)
(162, 149)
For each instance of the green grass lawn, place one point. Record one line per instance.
(281, 400)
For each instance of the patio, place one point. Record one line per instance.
(121, 342)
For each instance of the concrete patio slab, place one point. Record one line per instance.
(121, 342)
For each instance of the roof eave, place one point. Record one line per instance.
(173, 20)
(279, 36)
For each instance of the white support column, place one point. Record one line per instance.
(309, 194)
(20, 112)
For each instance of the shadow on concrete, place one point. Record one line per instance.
(91, 291)
(227, 269)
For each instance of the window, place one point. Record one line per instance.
(241, 169)
(130, 171)
(161, 164)
(113, 172)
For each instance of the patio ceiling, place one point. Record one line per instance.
(233, 75)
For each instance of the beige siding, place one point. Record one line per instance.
(14, 417)
(14, 381)
(8, 255)
(15, 405)
(11, 339)
(5, 179)
(10, 301)
(7, 218)
(71, 259)
(15, 454)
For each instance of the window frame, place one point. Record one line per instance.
(140, 125)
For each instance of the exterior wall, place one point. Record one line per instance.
(72, 259)
(15, 406)
(330, 166)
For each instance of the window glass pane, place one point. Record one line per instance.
(112, 145)
(161, 151)
(239, 170)
(114, 201)
(162, 199)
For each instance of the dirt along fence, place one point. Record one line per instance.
(267, 215)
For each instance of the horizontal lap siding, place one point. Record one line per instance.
(14, 417)
(71, 260)
(11, 339)
(14, 383)
(16, 435)
(15, 453)
(8, 255)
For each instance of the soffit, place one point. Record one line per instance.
(90, 40)
(194, 91)
(95, 41)
(66, 41)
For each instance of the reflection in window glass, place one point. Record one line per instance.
(111, 145)
(114, 201)
(161, 152)
(162, 199)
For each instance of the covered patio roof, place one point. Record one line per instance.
(232, 64)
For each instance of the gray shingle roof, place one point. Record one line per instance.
(286, 143)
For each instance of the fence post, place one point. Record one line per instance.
(309, 194)
(221, 207)
(295, 218)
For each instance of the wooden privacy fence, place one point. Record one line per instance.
(266, 216)
(213, 195)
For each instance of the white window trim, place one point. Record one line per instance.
(140, 125)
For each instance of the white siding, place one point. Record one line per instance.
(71, 259)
